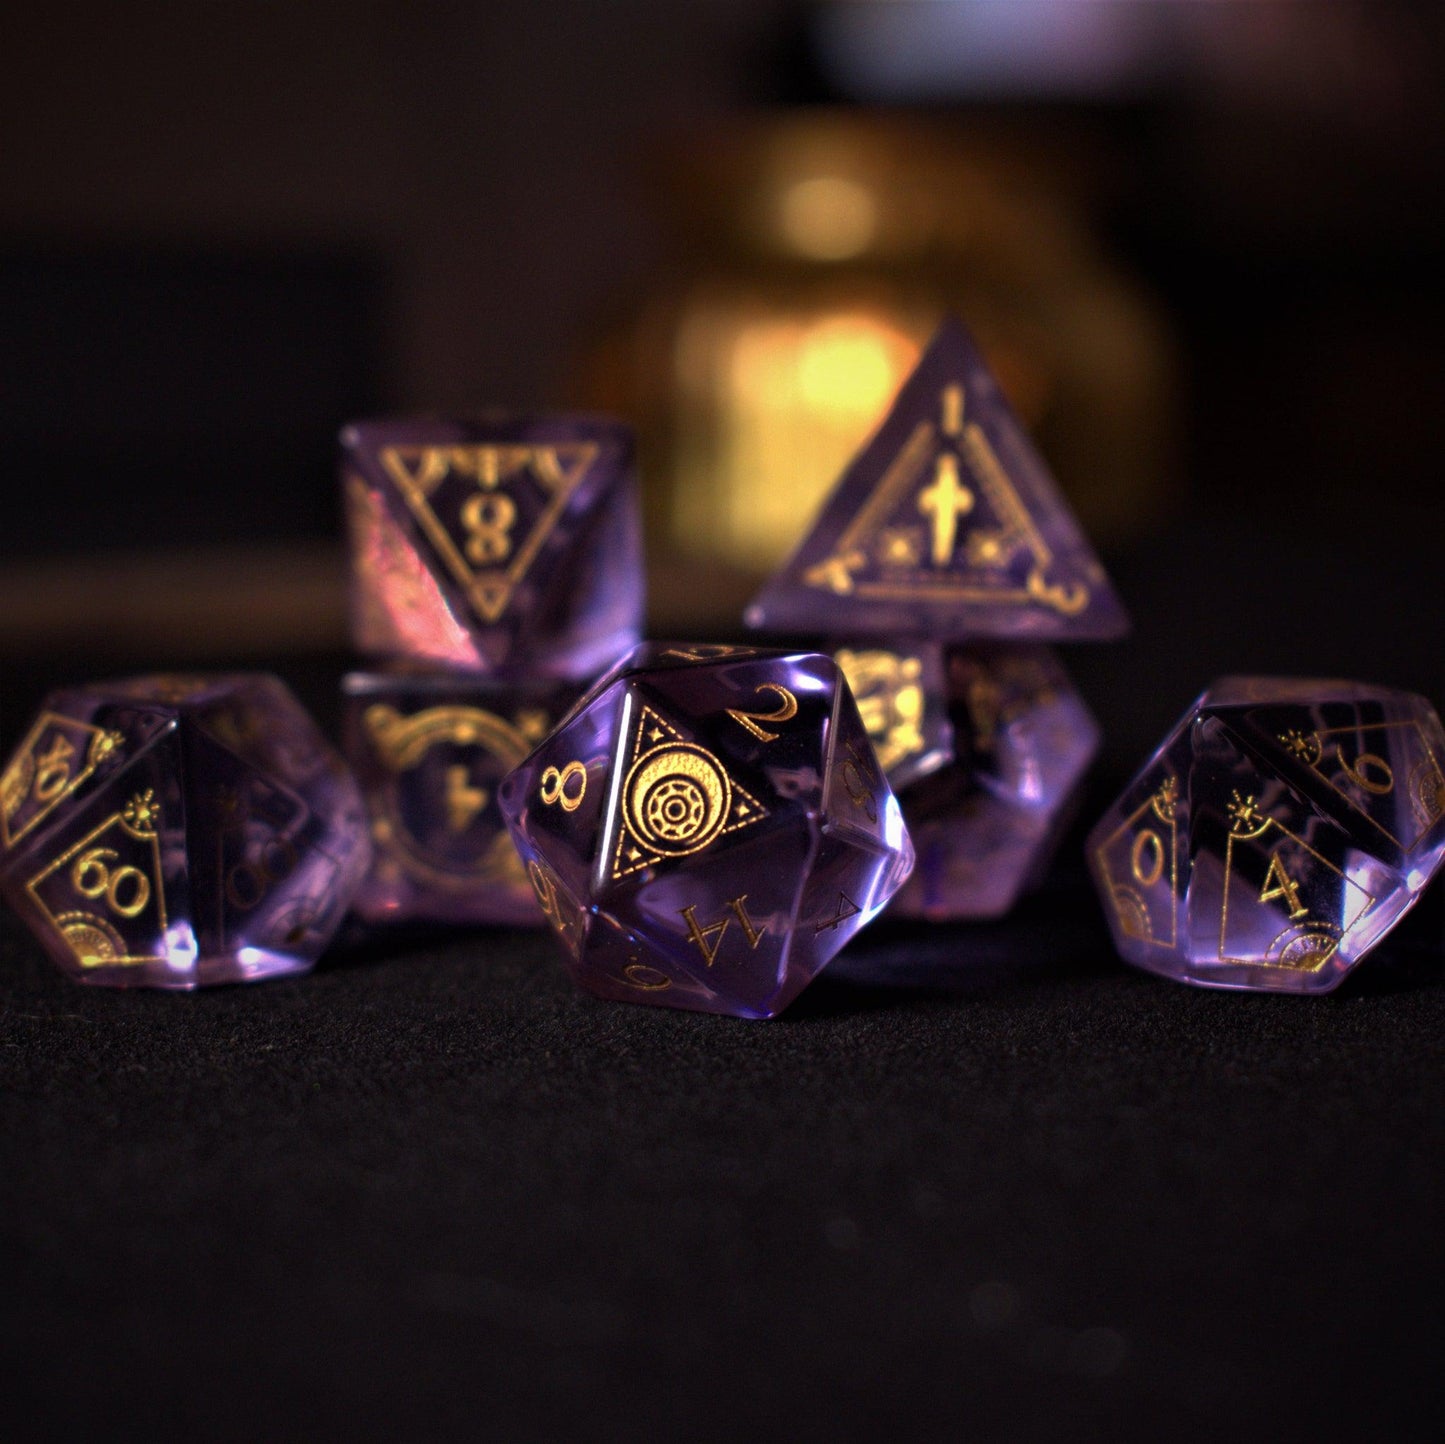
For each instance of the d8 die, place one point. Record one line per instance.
(1277, 835)
(504, 540)
(176, 831)
(430, 752)
(708, 827)
(986, 746)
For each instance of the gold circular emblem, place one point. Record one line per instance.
(91, 939)
(678, 798)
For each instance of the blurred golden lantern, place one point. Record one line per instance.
(819, 250)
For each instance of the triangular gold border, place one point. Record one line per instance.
(559, 468)
(633, 853)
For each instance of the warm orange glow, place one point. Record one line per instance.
(774, 407)
(829, 218)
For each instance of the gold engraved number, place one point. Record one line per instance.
(463, 800)
(856, 770)
(557, 787)
(649, 980)
(488, 517)
(52, 774)
(92, 877)
(753, 720)
(703, 936)
(1278, 883)
(1151, 845)
(546, 890)
(248, 882)
(1360, 769)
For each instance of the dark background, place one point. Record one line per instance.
(432, 1192)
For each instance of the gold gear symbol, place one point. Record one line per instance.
(677, 799)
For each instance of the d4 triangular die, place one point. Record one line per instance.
(946, 524)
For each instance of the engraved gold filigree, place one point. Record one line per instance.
(967, 557)
(1151, 855)
(402, 742)
(493, 553)
(677, 798)
(888, 689)
(1308, 942)
(115, 869)
(44, 777)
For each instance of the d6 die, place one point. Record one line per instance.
(708, 827)
(430, 752)
(986, 746)
(494, 542)
(175, 831)
(1278, 833)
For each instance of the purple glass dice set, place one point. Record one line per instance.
(704, 826)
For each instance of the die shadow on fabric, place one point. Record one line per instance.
(1055, 933)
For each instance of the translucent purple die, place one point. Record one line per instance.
(493, 542)
(986, 747)
(947, 524)
(430, 752)
(708, 827)
(1280, 831)
(171, 832)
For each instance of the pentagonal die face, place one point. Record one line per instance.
(987, 746)
(499, 542)
(1277, 835)
(177, 831)
(430, 753)
(708, 827)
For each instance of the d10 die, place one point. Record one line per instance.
(986, 746)
(430, 752)
(708, 827)
(1277, 834)
(505, 540)
(176, 831)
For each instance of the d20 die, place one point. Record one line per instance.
(505, 540)
(708, 827)
(1278, 833)
(986, 746)
(176, 831)
(430, 752)
(947, 524)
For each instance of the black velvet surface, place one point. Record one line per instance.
(431, 1191)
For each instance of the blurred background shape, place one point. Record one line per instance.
(1199, 242)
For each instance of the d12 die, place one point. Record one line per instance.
(495, 542)
(1276, 836)
(176, 831)
(708, 827)
(430, 752)
(986, 746)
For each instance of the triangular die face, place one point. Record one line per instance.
(487, 510)
(947, 522)
(677, 797)
(1377, 769)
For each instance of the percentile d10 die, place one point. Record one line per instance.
(176, 831)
